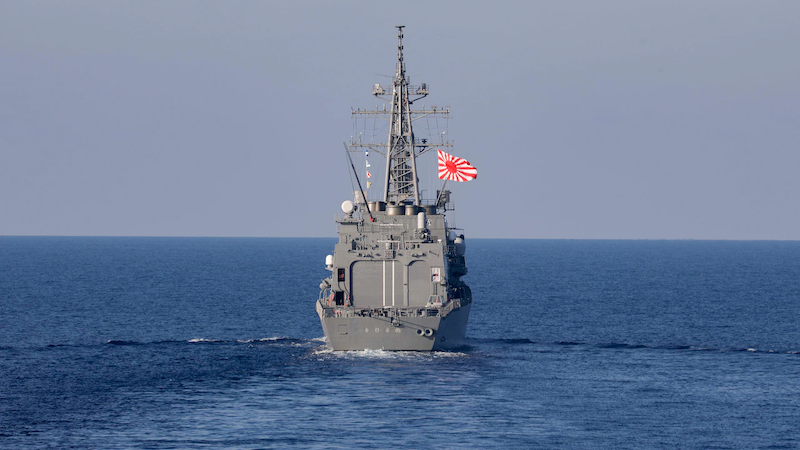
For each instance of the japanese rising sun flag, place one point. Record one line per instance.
(455, 169)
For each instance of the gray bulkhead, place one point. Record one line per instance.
(395, 286)
(387, 263)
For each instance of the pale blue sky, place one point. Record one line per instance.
(586, 119)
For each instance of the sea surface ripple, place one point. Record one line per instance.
(184, 343)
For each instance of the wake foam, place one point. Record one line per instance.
(386, 354)
(320, 347)
(200, 341)
(269, 339)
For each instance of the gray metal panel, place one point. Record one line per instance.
(419, 285)
(365, 283)
(379, 333)
(394, 280)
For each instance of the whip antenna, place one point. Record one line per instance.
(366, 203)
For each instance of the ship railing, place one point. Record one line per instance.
(371, 227)
(421, 89)
(362, 220)
(441, 207)
(389, 312)
(346, 218)
(450, 306)
(325, 294)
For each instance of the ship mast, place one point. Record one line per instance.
(401, 184)
(401, 166)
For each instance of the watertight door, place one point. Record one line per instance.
(419, 283)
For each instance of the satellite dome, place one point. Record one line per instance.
(348, 207)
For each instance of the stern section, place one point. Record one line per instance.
(396, 329)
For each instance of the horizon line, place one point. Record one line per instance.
(336, 237)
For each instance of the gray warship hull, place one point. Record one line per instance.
(396, 270)
(376, 330)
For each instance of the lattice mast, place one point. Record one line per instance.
(401, 184)
(401, 166)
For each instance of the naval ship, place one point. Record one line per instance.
(396, 270)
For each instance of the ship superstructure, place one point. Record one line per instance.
(396, 270)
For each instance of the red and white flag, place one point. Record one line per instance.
(455, 169)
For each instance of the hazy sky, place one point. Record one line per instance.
(586, 119)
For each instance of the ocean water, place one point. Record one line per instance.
(183, 343)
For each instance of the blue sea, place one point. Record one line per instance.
(213, 343)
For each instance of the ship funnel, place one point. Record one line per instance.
(394, 210)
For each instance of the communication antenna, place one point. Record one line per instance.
(366, 203)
